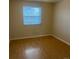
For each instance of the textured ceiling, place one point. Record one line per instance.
(46, 0)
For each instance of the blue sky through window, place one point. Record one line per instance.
(31, 15)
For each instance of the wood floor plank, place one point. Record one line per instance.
(38, 48)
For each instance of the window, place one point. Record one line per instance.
(31, 15)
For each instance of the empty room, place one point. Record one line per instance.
(39, 29)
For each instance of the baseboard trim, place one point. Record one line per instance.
(42, 36)
(18, 38)
(60, 39)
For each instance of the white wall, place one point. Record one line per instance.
(55, 20)
(61, 20)
(18, 29)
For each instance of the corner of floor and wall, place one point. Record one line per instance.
(61, 21)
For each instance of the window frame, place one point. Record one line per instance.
(33, 16)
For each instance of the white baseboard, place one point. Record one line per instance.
(41, 36)
(18, 38)
(61, 39)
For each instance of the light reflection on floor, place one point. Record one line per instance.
(32, 53)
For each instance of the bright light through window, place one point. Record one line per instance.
(31, 15)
